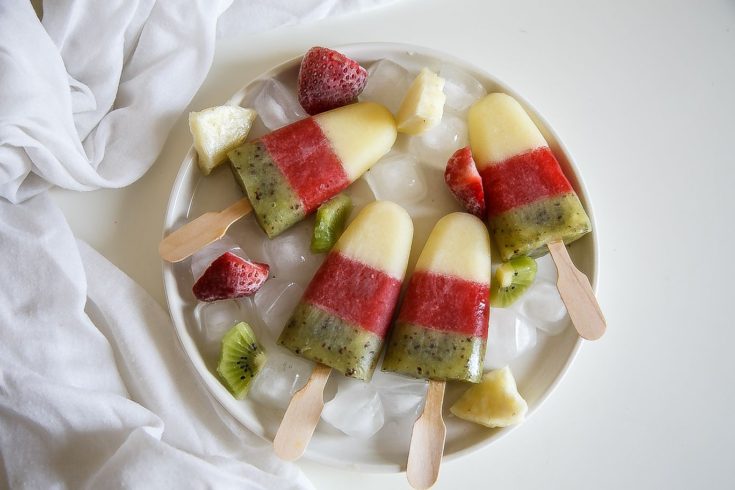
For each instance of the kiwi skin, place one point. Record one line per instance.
(524, 272)
(331, 218)
(241, 359)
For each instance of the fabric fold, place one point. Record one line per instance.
(95, 391)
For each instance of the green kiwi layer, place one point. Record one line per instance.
(527, 229)
(323, 337)
(276, 205)
(240, 360)
(426, 353)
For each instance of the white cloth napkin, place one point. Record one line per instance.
(94, 390)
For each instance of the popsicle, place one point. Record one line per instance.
(531, 206)
(345, 312)
(288, 173)
(529, 200)
(441, 329)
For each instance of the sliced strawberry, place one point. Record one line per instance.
(328, 79)
(230, 276)
(464, 181)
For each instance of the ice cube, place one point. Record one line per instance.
(267, 338)
(360, 193)
(387, 83)
(509, 336)
(397, 177)
(401, 396)
(276, 105)
(356, 409)
(204, 257)
(546, 269)
(282, 375)
(290, 256)
(461, 88)
(436, 145)
(249, 311)
(399, 431)
(250, 237)
(542, 307)
(215, 319)
(275, 302)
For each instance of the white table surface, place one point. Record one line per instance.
(643, 94)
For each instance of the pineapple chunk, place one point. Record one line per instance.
(218, 130)
(494, 402)
(423, 105)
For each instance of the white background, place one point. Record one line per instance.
(643, 95)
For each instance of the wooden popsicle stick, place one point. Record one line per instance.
(202, 231)
(577, 294)
(427, 440)
(301, 416)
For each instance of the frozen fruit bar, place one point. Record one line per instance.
(343, 317)
(529, 200)
(288, 173)
(441, 330)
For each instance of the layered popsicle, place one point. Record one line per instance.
(288, 173)
(441, 330)
(529, 200)
(345, 312)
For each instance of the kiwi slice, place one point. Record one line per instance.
(241, 359)
(511, 281)
(330, 222)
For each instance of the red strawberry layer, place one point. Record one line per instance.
(466, 313)
(328, 79)
(305, 157)
(464, 181)
(357, 293)
(523, 179)
(230, 276)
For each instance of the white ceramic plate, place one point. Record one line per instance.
(537, 372)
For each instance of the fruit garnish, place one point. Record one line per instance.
(423, 104)
(328, 79)
(240, 360)
(229, 277)
(511, 281)
(464, 182)
(218, 130)
(493, 402)
(331, 218)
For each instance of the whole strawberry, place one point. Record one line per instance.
(464, 182)
(230, 276)
(328, 79)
